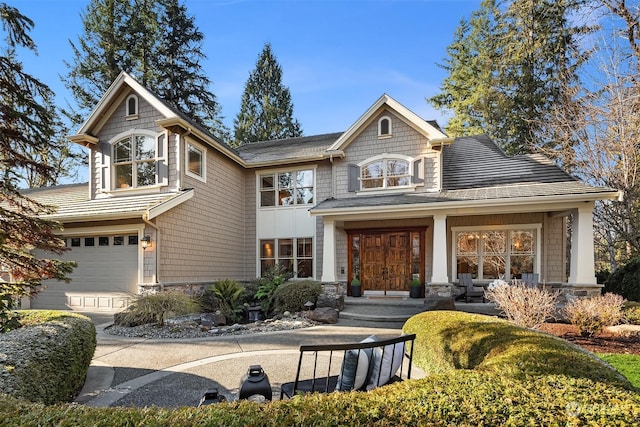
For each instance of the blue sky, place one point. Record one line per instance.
(337, 57)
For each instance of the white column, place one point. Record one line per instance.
(582, 267)
(329, 252)
(439, 266)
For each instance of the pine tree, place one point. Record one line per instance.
(508, 67)
(266, 111)
(27, 127)
(157, 42)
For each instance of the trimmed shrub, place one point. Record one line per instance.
(156, 308)
(590, 315)
(625, 281)
(451, 399)
(524, 306)
(291, 296)
(47, 359)
(449, 340)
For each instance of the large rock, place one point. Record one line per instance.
(331, 301)
(439, 303)
(323, 315)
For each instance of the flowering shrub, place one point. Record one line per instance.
(590, 315)
(524, 306)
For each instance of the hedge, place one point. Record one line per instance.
(47, 359)
(452, 340)
(469, 398)
(476, 392)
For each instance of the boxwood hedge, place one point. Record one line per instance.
(474, 392)
(47, 359)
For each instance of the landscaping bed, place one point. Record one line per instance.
(605, 341)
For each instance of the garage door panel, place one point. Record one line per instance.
(105, 277)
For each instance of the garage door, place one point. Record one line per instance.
(105, 278)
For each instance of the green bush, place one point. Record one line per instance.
(471, 398)
(449, 340)
(268, 284)
(291, 296)
(228, 294)
(156, 308)
(591, 315)
(625, 281)
(47, 359)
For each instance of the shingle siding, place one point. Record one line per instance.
(203, 239)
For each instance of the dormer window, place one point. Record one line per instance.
(386, 172)
(134, 161)
(132, 107)
(384, 127)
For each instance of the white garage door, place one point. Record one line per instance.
(105, 278)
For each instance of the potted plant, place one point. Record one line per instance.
(356, 288)
(415, 288)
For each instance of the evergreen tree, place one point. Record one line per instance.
(266, 111)
(155, 41)
(27, 127)
(508, 67)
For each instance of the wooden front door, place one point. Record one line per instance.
(385, 261)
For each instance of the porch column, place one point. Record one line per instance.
(329, 251)
(439, 264)
(582, 267)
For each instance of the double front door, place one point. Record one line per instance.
(386, 261)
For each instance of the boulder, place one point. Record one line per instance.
(323, 315)
(331, 301)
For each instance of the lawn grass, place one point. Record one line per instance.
(627, 364)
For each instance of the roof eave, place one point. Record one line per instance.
(179, 125)
(484, 203)
(334, 154)
(167, 205)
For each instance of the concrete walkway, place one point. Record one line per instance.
(170, 373)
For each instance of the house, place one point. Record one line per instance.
(390, 199)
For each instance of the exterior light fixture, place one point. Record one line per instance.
(255, 384)
(145, 242)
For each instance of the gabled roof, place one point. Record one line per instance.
(473, 162)
(73, 203)
(427, 129)
(288, 150)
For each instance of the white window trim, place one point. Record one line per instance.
(507, 227)
(388, 190)
(261, 173)
(111, 169)
(203, 150)
(276, 256)
(385, 135)
(131, 116)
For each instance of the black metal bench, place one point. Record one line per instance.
(365, 365)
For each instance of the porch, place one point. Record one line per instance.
(399, 309)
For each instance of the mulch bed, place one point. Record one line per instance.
(603, 342)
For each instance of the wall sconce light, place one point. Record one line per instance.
(145, 242)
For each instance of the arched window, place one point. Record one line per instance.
(387, 172)
(134, 161)
(132, 106)
(384, 126)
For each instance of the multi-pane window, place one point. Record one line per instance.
(385, 173)
(495, 254)
(134, 161)
(195, 161)
(286, 188)
(295, 255)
